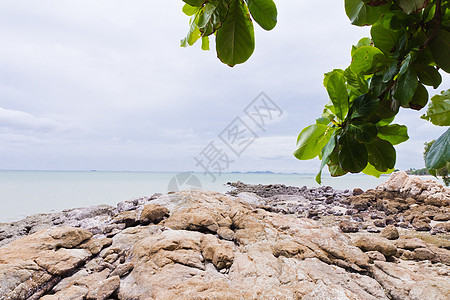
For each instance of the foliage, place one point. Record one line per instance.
(230, 22)
(442, 171)
(408, 49)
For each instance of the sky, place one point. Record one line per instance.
(105, 85)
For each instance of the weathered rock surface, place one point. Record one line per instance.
(205, 245)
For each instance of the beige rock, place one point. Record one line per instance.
(390, 232)
(72, 293)
(153, 213)
(28, 265)
(374, 243)
(375, 255)
(225, 233)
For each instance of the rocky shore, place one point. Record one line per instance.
(259, 242)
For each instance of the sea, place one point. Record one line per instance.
(24, 193)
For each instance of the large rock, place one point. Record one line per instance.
(30, 266)
(214, 246)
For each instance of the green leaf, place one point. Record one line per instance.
(370, 170)
(363, 132)
(235, 39)
(362, 42)
(438, 111)
(189, 10)
(193, 34)
(352, 154)
(440, 48)
(394, 134)
(390, 72)
(323, 121)
(212, 16)
(361, 14)
(326, 152)
(333, 165)
(264, 12)
(439, 153)
(420, 98)
(412, 6)
(406, 86)
(205, 43)
(356, 81)
(384, 39)
(428, 75)
(381, 154)
(384, 122)
(366, 59)
(311, 141)
(363, 106)
(196, 3)
(337, 91)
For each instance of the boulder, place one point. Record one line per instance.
(374, 243)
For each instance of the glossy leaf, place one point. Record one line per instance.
(372, 171)
(213, 15)
(311, 141)
(362, 132)
(189, 10)
(381, 154)
(363, 106)
(326, 152)
(440, 48)
(438, 111)
(412, 6)
(384, 39)
(406, 86)
(333, 165)
(394, 134)
(365, 59)
(420, 98)
(196, 3)
(205, 43)
(352, 155)
(361, 14)
(439, 153)
(193, 35)
(337, 91)
(428, 75)
(264, 12)
(235, 40)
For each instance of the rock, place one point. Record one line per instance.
(421, 225)
(129, 218)
(29, 266)
(390, 232)
(225, 233)
(374, 243)
(153, 213)
(441, 228)
(423, 254)
(214, 246)
(375, 255)
(348, 227)
(442, 217)
(357, 191)
(380, 223)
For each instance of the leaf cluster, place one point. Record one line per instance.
(408, 49)
(231, 22)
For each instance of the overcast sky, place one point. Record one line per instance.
(105, 85)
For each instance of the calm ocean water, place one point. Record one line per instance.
(24, 193)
